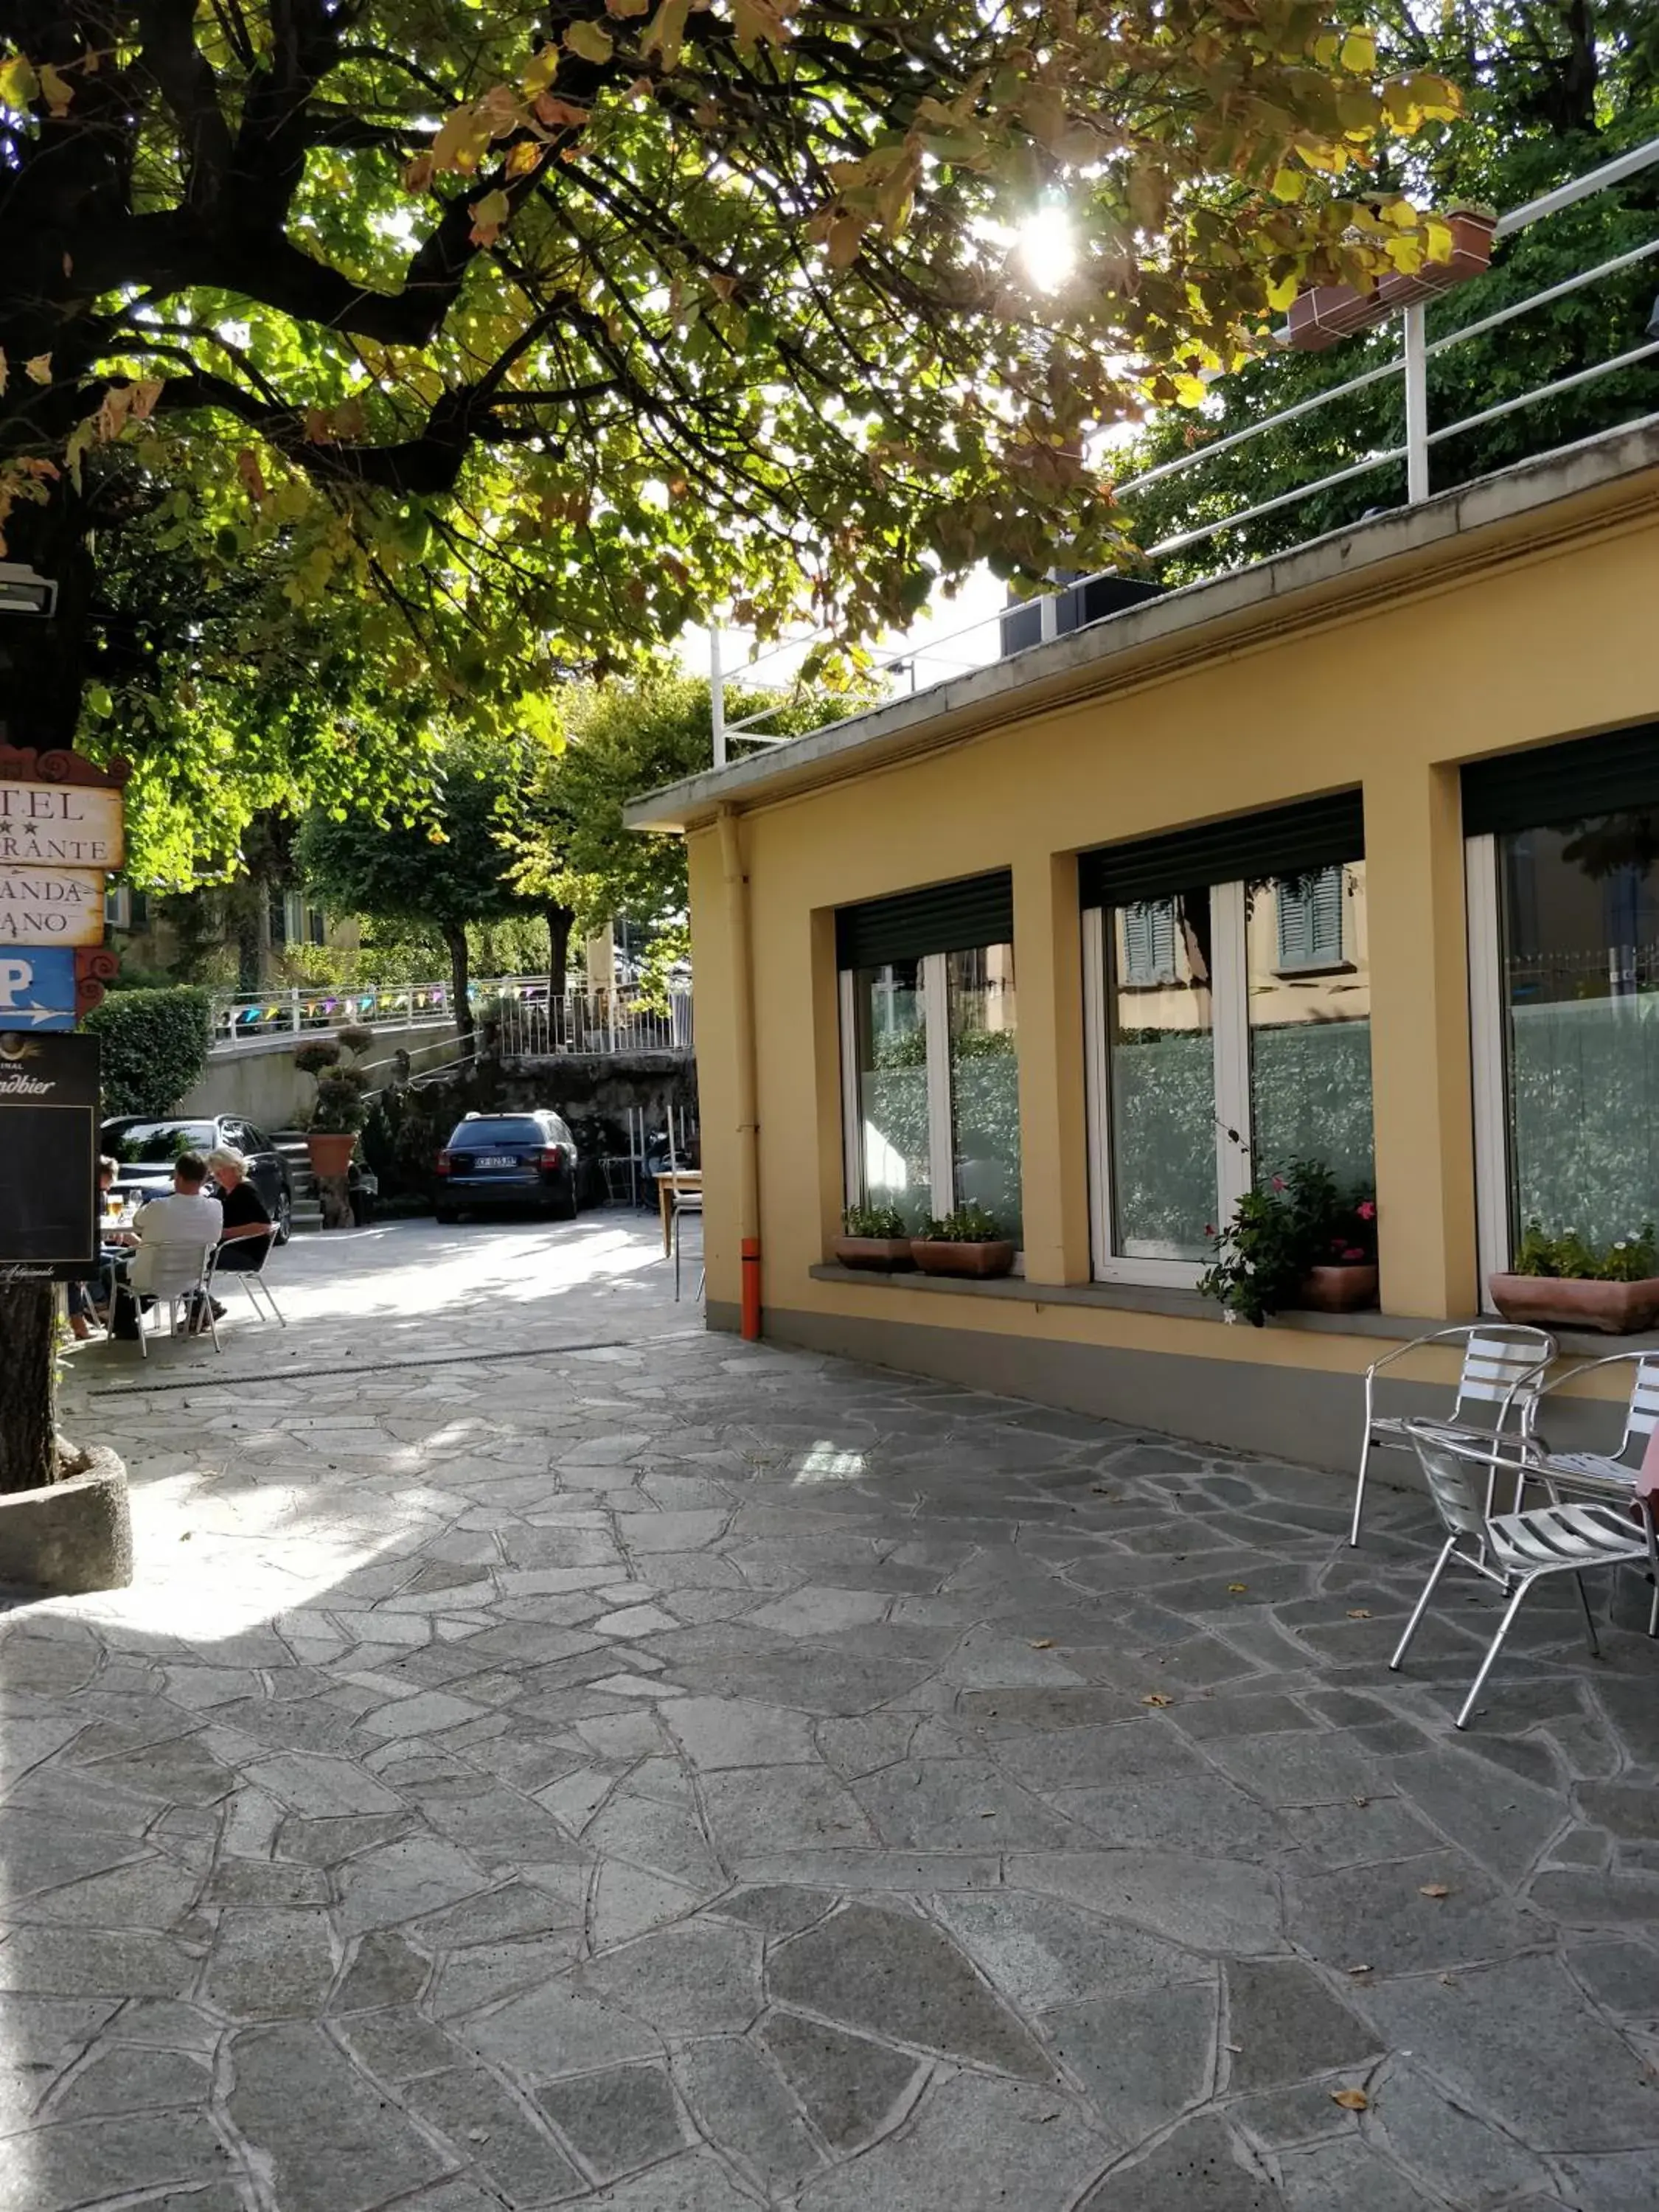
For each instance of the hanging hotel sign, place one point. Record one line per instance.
(62, 829)
(43, 825)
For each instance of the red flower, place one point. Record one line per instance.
(1279, 1182)
(1366, 1209)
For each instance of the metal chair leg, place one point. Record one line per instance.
(1590, 1617)
(1359, 1487)
(1493, 1649)
(1422, 1607)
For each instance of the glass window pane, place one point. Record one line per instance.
(1311, 1023)
(1580, 916)
(984, 1082)
(1161, 1057)
(890, 1029)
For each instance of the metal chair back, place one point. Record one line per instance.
(1461, 1475)
(1643, 1415)
(1497, 1358)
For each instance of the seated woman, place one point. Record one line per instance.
(247, 1229)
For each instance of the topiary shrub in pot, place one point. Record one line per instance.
(874, 1237)
(355, 1037)
(966, 1242)
(338, 1115)
(316, 1053)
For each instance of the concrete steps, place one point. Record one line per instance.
(307, 1208)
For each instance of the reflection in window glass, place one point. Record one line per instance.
(1162, 1072)
(891, 1031)
(1580, 921)
(1310, 987)
(984, 1082)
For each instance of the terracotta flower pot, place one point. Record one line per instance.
(884, 1254)
(1341, 1289)
(1329, 312)
(1614, 1309)
(330, 1151)
(995, 1258)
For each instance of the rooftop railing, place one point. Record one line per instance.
(949, 653)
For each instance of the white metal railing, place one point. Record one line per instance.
(1410, 365)
(517, 1009)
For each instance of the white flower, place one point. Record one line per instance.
(1618, 1243)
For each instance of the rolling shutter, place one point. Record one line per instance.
(1562, 783)
(944, 918)
(1288, 841)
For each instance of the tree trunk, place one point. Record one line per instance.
(561, 920)
(28, 1321)
(460, 986)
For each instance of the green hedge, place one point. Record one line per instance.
(156, 1046)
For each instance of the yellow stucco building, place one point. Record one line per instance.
(1347, 854)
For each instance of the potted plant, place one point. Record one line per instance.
(356, 1038)
(966, 1242)
(1300, 1242)
(1319, 318)
(873, 1237)
(337, 1116)
(1564, 1282)
(316, 1053)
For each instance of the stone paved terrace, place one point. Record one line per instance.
(677, 1777)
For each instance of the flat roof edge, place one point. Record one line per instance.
(953, 708)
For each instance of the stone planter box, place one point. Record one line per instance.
(1319, 318)
(995, 1258)
(883, 1254)
(1551, 1302)
(73, 1535)
(1338, 1290)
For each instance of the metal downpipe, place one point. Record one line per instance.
(743, 996)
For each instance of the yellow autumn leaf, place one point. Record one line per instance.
(38, 371)
(1237, 1590)
(1289, 184)
(590, 42)
(490, 216)
(1433, 1889)
(544, 67)
(666, 34)
(1351, 2100)
(1042, 1643)
(59, 92)
(19, 84)
(1155, 1698)
(1359, 52)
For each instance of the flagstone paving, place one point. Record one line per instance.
(683, 1776)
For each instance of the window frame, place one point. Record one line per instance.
(1235, 1126)
(941, 1130)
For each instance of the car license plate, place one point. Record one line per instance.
(497, 1160)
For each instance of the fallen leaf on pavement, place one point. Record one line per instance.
(1155, 1698)
(1360, 1612)
(1361, 1970)
(1042, 1643)
(1434, 1889)
(1237, 1590)
(1351, 2100)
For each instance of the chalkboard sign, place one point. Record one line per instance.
(48, 1154)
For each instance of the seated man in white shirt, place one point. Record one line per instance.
(185, 1221)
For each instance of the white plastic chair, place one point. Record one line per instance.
(177, 1274)
(684, 1202)
(1609, 1476)
(1501, 1362)
(1515, 1549)
(252, 1280)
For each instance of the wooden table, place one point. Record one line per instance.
(668, 1183)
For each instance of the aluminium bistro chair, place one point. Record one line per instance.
(1608, 1476)
(1501, 1363)
(179, 1275)
(684, 1202)
(1514, 1549)
(252, 1280)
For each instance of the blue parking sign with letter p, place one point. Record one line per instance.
(37, 987)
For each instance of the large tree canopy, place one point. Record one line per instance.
(501, 337)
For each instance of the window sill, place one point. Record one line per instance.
(1187, 1306)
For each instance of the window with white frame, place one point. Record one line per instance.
(929, 1070)
(1563, 880)
(1229, 1026)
